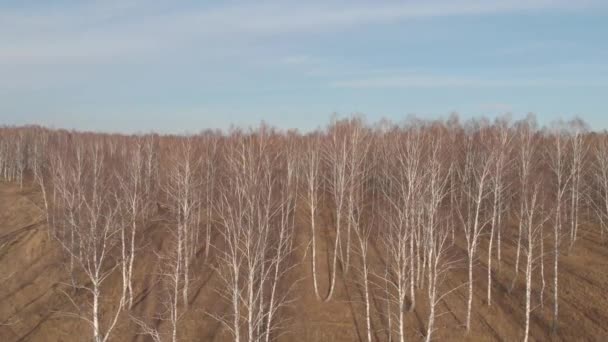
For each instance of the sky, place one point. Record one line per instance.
(184, 66)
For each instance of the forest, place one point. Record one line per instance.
(427, 230)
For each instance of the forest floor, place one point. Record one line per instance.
(35, 304)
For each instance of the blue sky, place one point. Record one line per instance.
(169, 66)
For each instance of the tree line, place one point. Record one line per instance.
(405, 193)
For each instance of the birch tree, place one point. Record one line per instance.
(409, 183)
(561, 178)
(532, 224)
(578, 153)
(336, 157)
(401, 170)
(209, 171)
(601, 179)
(255, 210)
(475, 179)
(311, 180)
(181, 190)
(90, 215)
(498, 187)
(133, 202)
(526, 153)
(436, 233)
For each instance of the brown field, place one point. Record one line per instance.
(35, 307)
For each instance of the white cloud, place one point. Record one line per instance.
(109, 30)
(298, 60)
(434, 81)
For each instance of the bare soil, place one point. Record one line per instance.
(34, 304)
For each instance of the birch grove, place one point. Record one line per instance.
(473, 215)
(90, 219)
(400, 220)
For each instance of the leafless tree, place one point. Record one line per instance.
(358, 147)
(90, 216)
(359, 173)
(336, 157)
(498, 188)
(561, 178)
(256, 206)
(410, 184)
(13, 155)
(151, 166)
(41, 172)
(20, 156)
(362, 232)
(401, 191)
(181, 190)
(311, 180)
(208, 191)
(526, 153)
(395, 238)
(601, 179)
(283, 246)
(435, 232)
(171, 268)
(533, 222)
(475, 180)
(418, 191)
(578, 151)
(134, 205)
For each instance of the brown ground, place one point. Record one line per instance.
(33, 306)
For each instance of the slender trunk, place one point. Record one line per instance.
(124, 261)
(176, 278)
(208, 228)
(542, 268)
(279, 257)
(573, 213)
(348, 229)
(236, 302)
(208, 212)
(412, 273)
(419, 261)
(470, 295)
(517, 254)
(605, 226)
(272, 296)
(45, 201)
(367, 299)
(207, 241)
(186, 280)
(389, 317)
(96, 329)
(574, 205)
(556, 233)
(187, 245)
(576, 210)
(499, 235)
(401, 314)
(131, 259)
(528, 284)
(490, 244)
(314, 252)
(72, 244)
(432, 299)
(250, 306)
(333, 274)
(432, 289)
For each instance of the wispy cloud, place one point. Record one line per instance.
(99, 31)
(433, 81)
(299, 60)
